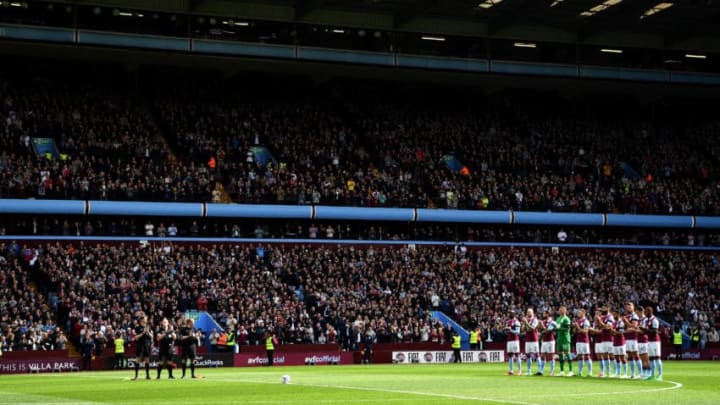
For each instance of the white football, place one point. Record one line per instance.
(286, 379)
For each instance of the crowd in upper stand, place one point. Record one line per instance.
(332, 147)
(109, 147)
(331, 294)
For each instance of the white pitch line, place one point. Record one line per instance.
(675, 385)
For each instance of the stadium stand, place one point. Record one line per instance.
(323, 149)
(304, 292)
(332, 146)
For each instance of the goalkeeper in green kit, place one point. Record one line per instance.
(563, 341)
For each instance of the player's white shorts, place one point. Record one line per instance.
(642, 348)
(607, 347)
(631, 345)
(548, 347)
(653, 349)
(598, 348)
(513, 346)
(582, 348)
(531, 347)
(619, 351)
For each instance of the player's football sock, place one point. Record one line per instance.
(541, 365)
(638, 367)
(137, 369)
(632, 368)
(192, 369)
(552, 366)
(651, 372)
(529, 365)
(569, 360)
(659, 367)
(147, 370)
(159, 370)
(510, 364)
(519, 365)
(184, 367)
(580, 366)
(589, 363)
(562, 362)
(623, 365)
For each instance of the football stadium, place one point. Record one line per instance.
(359, 201)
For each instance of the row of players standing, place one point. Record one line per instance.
(632, 337)
(166, 338)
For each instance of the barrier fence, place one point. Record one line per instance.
(323, 212)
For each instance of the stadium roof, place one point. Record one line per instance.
(650, 24)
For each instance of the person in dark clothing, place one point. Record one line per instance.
(165, 336)
(87, 346)
(369, 340)
(143, 341)
(188, 344)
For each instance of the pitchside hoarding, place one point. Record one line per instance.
(294, 359)
(32, 365)
(468, 356)
(202, 360)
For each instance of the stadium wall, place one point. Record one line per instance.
(289, 52)
(292, 355)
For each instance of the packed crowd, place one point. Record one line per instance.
(525, 161)
(333, 149)
(413, 155)
(26, 319)
(108, 147)
(323, 294)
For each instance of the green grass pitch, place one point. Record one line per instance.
(684, 383)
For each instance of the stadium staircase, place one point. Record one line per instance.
(72, 351)
(224, 195)
(33, 285)
(205, 322)
(446, 320)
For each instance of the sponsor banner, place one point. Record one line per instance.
(696, 354)
(429, 356)
(202, 360)
(294, 359)
(16, 366)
